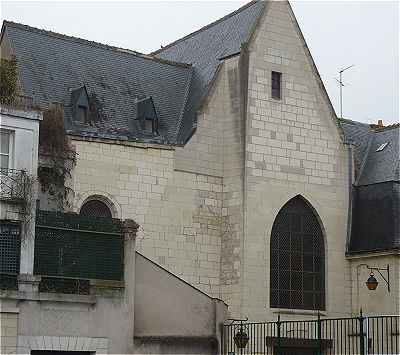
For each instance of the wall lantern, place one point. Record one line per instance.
(241, 338)
(372, 283)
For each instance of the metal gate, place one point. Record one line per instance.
(358, 335)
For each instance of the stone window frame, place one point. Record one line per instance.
(103, 199)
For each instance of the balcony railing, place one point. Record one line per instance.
(75, 253)
(21, 102)
(13, 185)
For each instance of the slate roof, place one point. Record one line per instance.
(207, 47)
(372, 166)
(376, 194)
(51, 65)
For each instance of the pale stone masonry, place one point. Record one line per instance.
(206, 209)
(206, 194)
(293, 147)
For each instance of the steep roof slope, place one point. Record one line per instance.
(205, 49)
(382, 165)
(51, 65)
(374, 166)
(376, 196)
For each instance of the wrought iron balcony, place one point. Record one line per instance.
(13, 185)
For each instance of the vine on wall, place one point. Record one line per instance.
(8, 81)
(58, 156)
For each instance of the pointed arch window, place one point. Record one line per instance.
(297, 258)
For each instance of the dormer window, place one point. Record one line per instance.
(80, 105)
(147, 115)
(382, 146)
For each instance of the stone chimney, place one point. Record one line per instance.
(380, 123)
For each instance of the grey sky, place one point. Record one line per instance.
(338, 34)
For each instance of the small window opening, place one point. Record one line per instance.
(148, 125)
(82, 114)
(382, 147)
(276, 79)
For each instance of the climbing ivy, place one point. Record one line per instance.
(8, 81)
(57, 153)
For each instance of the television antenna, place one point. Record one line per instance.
(341, 85)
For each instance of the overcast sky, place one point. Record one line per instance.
(338, 33)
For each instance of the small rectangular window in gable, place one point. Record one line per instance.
(276, 79)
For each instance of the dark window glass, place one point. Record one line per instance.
(297, 258)
(148, 125)
(81, 115)
(95, 208)
(276, 79)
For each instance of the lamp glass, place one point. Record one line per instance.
(372, 282)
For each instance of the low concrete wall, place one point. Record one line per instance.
(171, 316)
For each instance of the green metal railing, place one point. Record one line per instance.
(70, 250)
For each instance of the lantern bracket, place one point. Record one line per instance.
(374, 268)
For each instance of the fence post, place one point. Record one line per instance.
(319, 333)
(278, 331)
(362, 343)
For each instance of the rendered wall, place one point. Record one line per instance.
(165, 306)
(293, 147)
(380, 301)
(8, 330)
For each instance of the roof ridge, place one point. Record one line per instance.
(91, 43)
(348, 121)
(206, 27)
(377, 128)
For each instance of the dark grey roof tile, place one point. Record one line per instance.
(51, 64)
(205, 48)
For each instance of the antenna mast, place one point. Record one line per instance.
(340, 81)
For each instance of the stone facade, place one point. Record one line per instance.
(206, 209)
(178, 211)
(293, 147)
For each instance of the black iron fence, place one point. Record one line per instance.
(360, 335)
(71, 250)
(10, 251)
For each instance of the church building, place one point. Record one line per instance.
(225, 149)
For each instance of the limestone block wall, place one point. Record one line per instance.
(8, 331)
(293, 147)
(217, 149)
(179, 212)
(380, 301)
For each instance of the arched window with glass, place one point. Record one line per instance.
(297, 279)
(95, 208)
